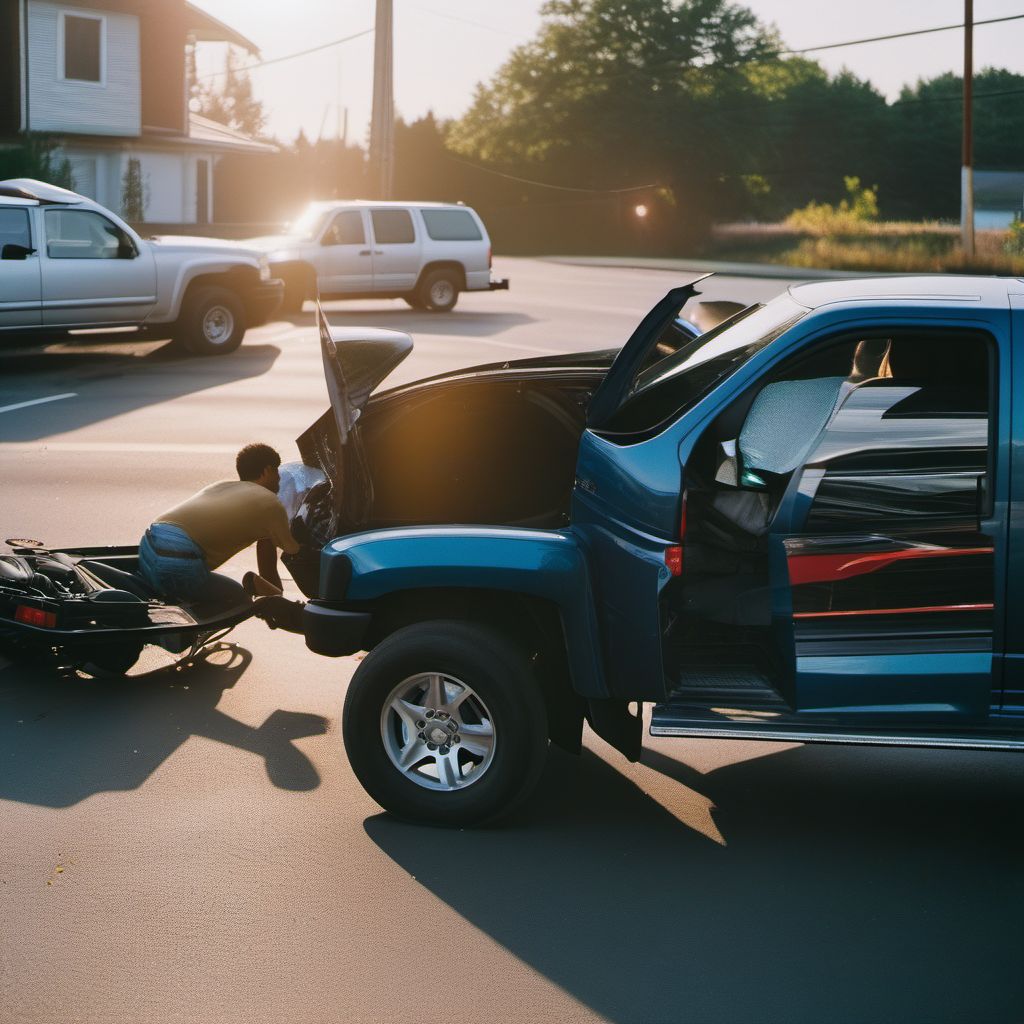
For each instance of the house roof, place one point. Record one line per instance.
(208, 29)
(204, 132)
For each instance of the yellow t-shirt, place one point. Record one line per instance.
(228, 516)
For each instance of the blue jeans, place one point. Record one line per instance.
(173, 565)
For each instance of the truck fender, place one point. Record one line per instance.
(170, 301)
(549, 564)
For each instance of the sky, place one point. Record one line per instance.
(443, 48)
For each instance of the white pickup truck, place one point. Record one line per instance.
(68, 263)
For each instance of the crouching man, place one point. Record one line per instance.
(178, 553)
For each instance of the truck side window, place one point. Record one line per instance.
(345, 229)
(392, 227)
(85, 235)
(14, 228)
(913, 444)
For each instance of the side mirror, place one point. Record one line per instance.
(127, 250)
(14, 251)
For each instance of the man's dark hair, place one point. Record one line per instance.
(253, 459)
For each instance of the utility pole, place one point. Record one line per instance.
(967, 169)
(382, 122)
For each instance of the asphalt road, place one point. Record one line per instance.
(192, 845)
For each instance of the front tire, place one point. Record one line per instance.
(212, 322)
(439, 291)
(444, 724)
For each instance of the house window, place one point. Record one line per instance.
(82, 49)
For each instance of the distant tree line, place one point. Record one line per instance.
(686, 107)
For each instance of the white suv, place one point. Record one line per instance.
(425, 253)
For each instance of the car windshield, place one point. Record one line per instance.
(307, 227)
(668, 386)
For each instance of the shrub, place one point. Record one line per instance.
(860, 207)
(1014, 244)
(36, 156)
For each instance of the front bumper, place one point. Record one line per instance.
(333, 631)
(264, 300)
(498, 284)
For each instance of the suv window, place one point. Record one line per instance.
(346, 229)
(451, 226)
(14, 228)
(85, 235)
(392, 227)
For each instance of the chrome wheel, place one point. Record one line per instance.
(437, 732)
(218, 325)
(442, 293)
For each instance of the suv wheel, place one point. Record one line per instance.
(212, 322)
(444, 723)
(439, 291)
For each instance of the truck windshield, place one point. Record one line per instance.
(668, 386)
(308, 225)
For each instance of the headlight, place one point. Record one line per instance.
(264, 268)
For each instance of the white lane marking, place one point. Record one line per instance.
(119, 446)
(37, 401)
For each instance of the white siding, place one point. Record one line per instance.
(54, 105)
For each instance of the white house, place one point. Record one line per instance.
(106, 79)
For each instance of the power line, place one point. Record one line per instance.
(544, 184)
(292, 56)
(896, 35)
(456, 17)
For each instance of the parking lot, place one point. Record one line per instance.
(191, 845)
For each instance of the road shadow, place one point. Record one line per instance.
(160, 375)
(65, 739)
(852, 886)
(459, 322)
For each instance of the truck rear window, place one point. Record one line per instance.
(451, 226)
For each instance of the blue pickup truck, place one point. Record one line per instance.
(799, 525)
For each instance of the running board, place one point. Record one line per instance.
(667, 721)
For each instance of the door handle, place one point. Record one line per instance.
(364, 252)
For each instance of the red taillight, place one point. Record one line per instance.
(35, 616)
(674, 559)
(674, 554)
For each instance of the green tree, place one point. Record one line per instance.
(615, 93)
(926, 139)
(230, 101)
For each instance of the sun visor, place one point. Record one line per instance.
(356, 360)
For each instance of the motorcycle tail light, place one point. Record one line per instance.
(35, 616)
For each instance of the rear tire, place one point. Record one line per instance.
(462, 751)
(439, 290)
(212, 322)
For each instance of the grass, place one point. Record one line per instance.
(899, 246)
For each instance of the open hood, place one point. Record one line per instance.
(356, 360)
